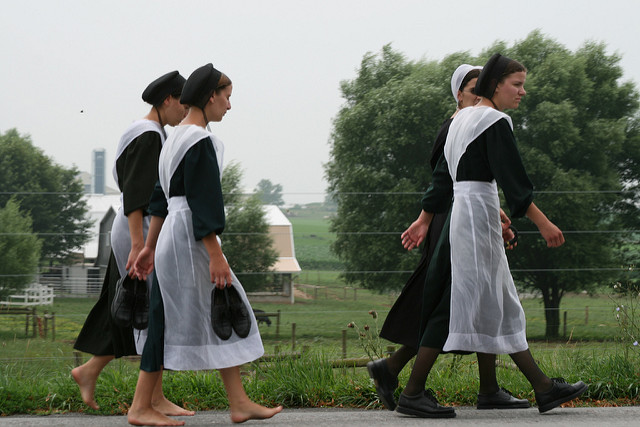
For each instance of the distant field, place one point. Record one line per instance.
(312, 239)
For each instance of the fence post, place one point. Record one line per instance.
(278, 325)
(344, 343)
(293, 336)
(586, 315)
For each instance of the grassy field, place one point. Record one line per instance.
(34, 372)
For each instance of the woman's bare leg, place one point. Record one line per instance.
(142, 411)
(242, 408)
(86, 376)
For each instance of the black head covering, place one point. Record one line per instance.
(169, 84)
(490, 75)
(200, 85)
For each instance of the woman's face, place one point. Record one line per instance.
(466, 97)
(221, 103)
(510, 91)
(175, 111)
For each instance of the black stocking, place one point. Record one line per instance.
(425, 359)
(487, 371)
(400, 358)
(538, 379)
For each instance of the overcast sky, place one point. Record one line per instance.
(286, 59)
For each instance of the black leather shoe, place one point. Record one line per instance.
(386, 383)
(240, 320)
(501, 399)
(423, 405)
(220, 314)
(140, 318)
(560, 392)
(123, 302)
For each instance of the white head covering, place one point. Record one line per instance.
(458, 76)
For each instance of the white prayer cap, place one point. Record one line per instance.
(458, 76)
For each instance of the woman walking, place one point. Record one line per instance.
(403, 323)
(135, 171)
(486, 315)
(189, 262)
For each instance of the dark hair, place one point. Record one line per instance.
(470, 76)
(512, 67)
(496, 69)
(223, 82)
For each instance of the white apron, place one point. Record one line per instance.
(182, 266)
(120, 237)
(486, 314)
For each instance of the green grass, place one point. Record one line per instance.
(34, 372)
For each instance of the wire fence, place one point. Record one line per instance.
(591, 321)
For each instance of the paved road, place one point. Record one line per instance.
(587, 417)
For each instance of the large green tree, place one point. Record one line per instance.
(246, 240)
(49, 193)
(577, 131)
(19, 250)
(269, 193)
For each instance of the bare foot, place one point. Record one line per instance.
(165, 406)
(151, 417)
(87, 386)
(252, 411)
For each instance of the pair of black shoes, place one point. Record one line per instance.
(229, 313)
(130, 305)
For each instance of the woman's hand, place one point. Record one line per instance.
(219, 271)
(143, 266)
(133, 256)
(507, 232)
(417, 231)
(552, 235)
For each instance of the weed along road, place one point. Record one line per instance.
(589, 417)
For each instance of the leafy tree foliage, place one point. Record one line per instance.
(269, 193)
(49, 193)
(19, 249)
(246, 241)
(578, 134)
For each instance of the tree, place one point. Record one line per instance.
(19, 249)
(50, 194)
(573, 131)
(269, 193)
(380, 147)
(577, 131)
(246, 240)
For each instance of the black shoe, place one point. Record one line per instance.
(220, 314)
(140, 318)
(240, 319)
(123, 302)
(424, 405)
(560, 393)
(501, 399)
(386, 383)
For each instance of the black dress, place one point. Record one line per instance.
(402, 324)
(137, 170)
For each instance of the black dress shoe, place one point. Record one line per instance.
(140, 318)
(423, 405)
(386, 383)
(123, 302)
(560, 392)
(501, 399)
(240, 320)
(220, 314)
